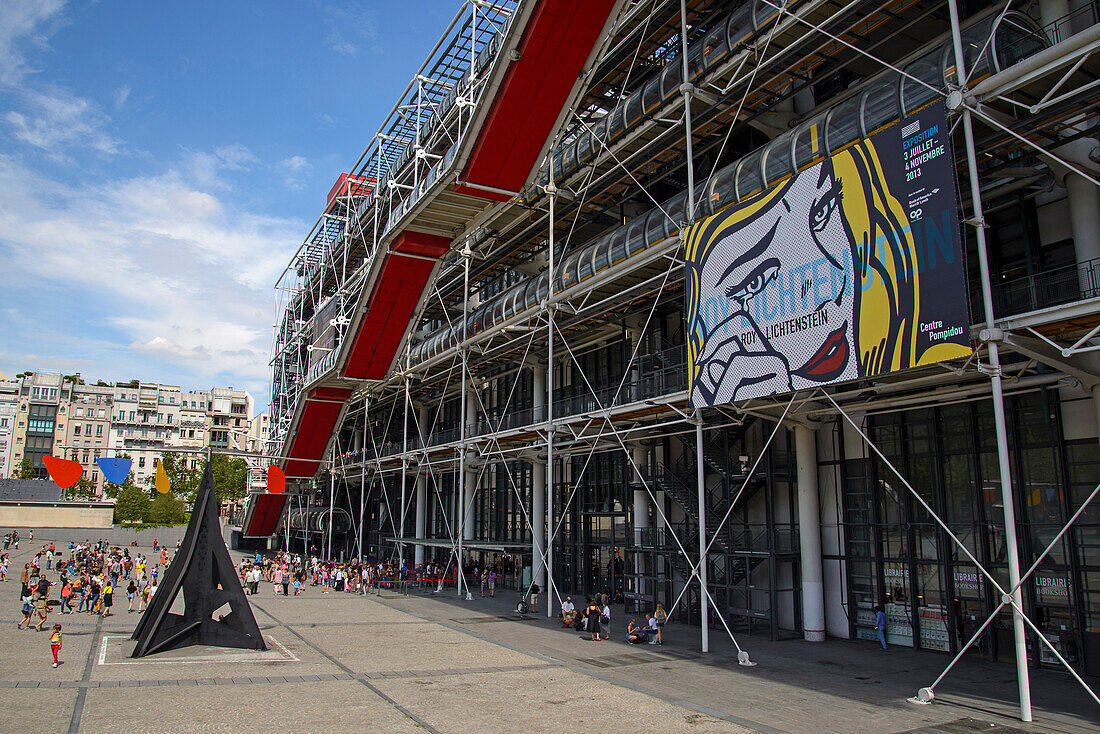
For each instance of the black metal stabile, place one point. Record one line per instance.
(203, 570)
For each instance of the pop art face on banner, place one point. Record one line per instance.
(850, 268)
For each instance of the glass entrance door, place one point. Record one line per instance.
(605, 538)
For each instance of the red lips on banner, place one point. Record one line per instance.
(276, 480)
(63, 472)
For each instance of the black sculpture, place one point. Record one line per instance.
(203, 569)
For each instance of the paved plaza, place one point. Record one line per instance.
(396, 662)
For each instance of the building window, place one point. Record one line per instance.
(80, 411)
(132, 415)
(102, 413)
(99, 430)
(76, 429)
(141, 462)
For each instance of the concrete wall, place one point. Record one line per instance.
(56, 514)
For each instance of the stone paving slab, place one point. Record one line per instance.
(397, 661)
(542, 700)
(410, 647)
(36, 710)
(318, 707)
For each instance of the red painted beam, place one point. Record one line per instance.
(419, 243)
(397, 292)
(322, 408)
(557, 41)
(266, 512)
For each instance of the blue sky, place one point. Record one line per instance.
(159, 163)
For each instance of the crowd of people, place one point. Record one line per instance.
(286, 571)
(89, 576)
(88, 579)
(595, 619)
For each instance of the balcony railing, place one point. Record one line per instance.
(1068, 284)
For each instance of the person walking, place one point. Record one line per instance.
(81, 589)
(131, 589)
(605, 621)
(880, 625)
(42, 608)
(93, 595)
(67, 598)
(535, 596)
(108, 598)
(55, 643)
(28, 609)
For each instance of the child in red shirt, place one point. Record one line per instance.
(55, 642)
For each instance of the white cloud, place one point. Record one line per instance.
(19, 19)
(340, 45)
(186, 276)
(55, 120)
(349, 27)
(121, 95)
(294, 170)
(205, 168)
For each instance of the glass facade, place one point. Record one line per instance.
(934, 596)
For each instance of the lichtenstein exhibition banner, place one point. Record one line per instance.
(850, 268)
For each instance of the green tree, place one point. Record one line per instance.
(84, 489)
(230, 478)
(26, 470)
(112, 490)
(132, 504)
(167, 509)
(185, 481)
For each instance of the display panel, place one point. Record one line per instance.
(850, 268)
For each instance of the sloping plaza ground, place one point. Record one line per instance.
(396, 662)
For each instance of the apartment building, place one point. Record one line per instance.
(41, 419)
(9, 403)
(230, 418)
(88, 434)
(146, 423)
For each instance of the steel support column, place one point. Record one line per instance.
(809, 535)
(998, 395)
(538, 485)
